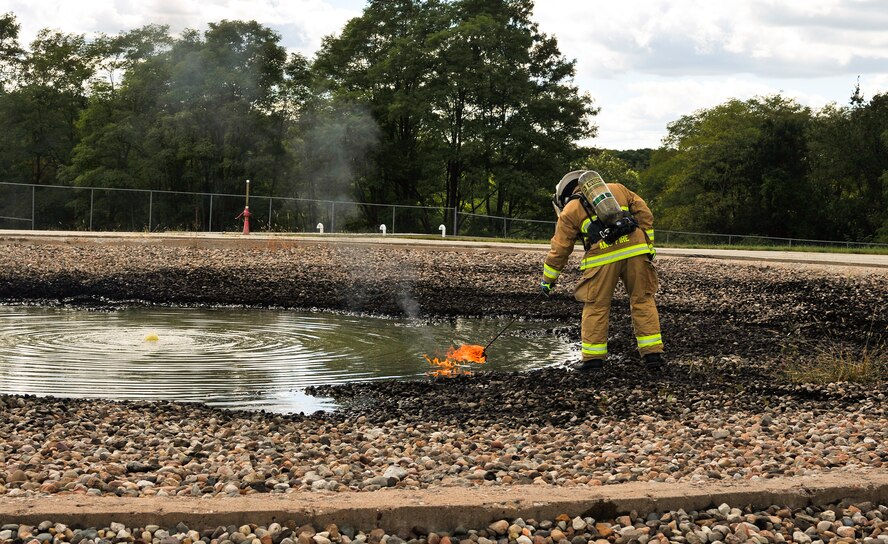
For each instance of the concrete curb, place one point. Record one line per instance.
(444, 509)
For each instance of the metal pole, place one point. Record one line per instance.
(393, 219)
(33, 192)
(454, 221)
(504, 228)
(332, 215)
(92, 193)
(150, 208)
(210, 226)
(270, 199)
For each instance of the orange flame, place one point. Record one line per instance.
(453, 362)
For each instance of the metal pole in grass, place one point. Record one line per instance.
(393, 219)
(332, 215)
(33, 198)
(270, 200)
(455, 213)
(210, 225)
(92, 193)
(150, 208)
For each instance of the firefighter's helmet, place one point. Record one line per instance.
(565, 188)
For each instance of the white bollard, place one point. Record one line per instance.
(382, 228)
(320, 228)
(443, 230)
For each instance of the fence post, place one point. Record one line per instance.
(504, 228)
(270, 200)
(455, 212)
(33, 198)
(92, 193)
(150, 208)
(210, 223)
(729, 239)
(393, 219)
(667, 238)
(332, 215)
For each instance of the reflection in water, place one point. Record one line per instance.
(235, 358)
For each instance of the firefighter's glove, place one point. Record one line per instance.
(547, 287)
(625, 225)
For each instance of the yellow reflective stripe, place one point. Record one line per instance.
(614, 256)
(594, 349)
(550, 272)
(624, 208)
(652, 340)
(585, 226)
(650, 233)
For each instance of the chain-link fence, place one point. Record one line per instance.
(54, 207)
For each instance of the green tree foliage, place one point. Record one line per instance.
(44, 95)
(198, 113)
(736, 168)
(612, 168)
(456, 103)
(849, 157)
(637, 159)
(475, 106)
(10, 51)
(770, 166)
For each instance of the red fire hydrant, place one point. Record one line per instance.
(246, 215)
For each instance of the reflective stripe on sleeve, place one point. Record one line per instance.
(650, 233)
(550, 272)
(614, 256)
(594, 349)
(648, 341)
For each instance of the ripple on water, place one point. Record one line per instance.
(233, 358)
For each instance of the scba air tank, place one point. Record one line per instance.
(598, 194)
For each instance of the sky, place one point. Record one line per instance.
(644, 62)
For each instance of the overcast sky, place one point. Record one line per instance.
(645, 62)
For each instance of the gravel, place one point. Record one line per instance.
(721, 410)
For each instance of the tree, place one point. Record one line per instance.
(737, 168)
(10, 51)
(41, 111)
(201, 113)
(849, 156)
(476, 108)
(612, 168)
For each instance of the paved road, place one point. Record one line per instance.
(204, 239)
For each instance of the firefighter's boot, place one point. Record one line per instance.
(653, 361)
(589, 365)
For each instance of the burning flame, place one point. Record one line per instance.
(454, 361)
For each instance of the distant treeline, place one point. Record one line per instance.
(460, 103)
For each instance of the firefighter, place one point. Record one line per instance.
(617, 230)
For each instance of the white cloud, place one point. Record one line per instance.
(766, 37)
(646, 62)
(640, 118)
(301, 22)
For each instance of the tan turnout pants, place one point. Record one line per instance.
(596, 290)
